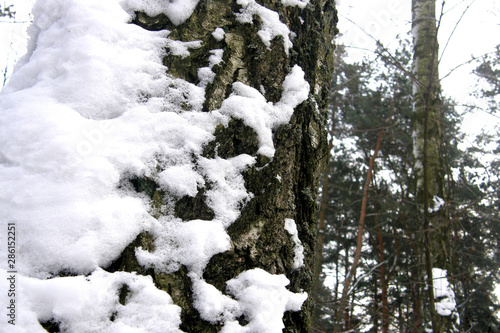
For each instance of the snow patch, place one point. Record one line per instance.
(228, 190)
(263, 299)
(181, 180)
(212, 304)
(180, 48)
(298, 248)
(205, 74)
(443, 293)
(250, 105)
(219, 34)
(177, 243)
(300, 3)
(271, 24)
(177, 11)
(87, 304)
(437, 203)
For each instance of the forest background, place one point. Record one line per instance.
(373, 83)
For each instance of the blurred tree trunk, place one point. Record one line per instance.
(432, 237)
(318, 265)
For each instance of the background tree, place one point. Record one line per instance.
(434, 227)
(384, 290)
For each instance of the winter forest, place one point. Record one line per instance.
(241, 166)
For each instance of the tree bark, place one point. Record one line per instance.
(285, 186)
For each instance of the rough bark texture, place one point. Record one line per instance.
(434, 226)
(258, 237)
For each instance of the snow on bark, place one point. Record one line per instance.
(178, 11)
(89, 108)
(250, 105)
(271, 24)
(291, 227)
(300, 3)
(263, 298)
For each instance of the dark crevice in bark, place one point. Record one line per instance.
(178, 285)
(233, 140)
(123, 294)
(227, 265)
(144, 185)
(51, 326)
(155, 23)
(193, 208)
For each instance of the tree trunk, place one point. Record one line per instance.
(284, 186)
(384, 282)
(433, 236)
(222, 226)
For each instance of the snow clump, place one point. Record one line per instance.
(271, 24)
(298, 248)
(444, 295)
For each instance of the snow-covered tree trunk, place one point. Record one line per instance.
(160, 162)
(433, 231)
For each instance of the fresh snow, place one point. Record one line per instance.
(87, 303)
(219, 34)
(263, 299)
(250, 105)
(271, 24)
(300, 3)
(443, 293)
(177, 11)
(90, 107)
(291, 227)
(205, 74)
